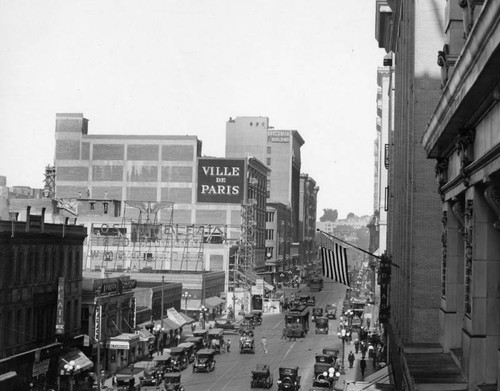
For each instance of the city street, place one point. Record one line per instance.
(233, 370)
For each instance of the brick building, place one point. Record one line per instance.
(40, 299)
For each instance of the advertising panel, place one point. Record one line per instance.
(60, 307)
(221, 180)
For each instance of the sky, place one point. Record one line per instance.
(183, 67)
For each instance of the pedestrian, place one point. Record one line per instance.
(264, 343)
(178, 338)
(283, 335)
(374, 359)
(362, 365)
(350, 358)
(356, 346)
(228, 345)
(113, 380)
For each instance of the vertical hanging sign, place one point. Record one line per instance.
(60, 307)
(133, 319)
(97, 318)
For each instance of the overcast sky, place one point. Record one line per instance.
(178, 67)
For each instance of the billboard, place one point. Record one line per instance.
(221, 180)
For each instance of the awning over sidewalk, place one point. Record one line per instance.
(123, 341)
(380, 380)
(169, 324)
(7, 375)
(188, 319)
(79, 358)
(214, 301)
(176, 317)
(145, 335)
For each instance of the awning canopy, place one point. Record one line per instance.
(188, 319)
(168, 324)
(8, 375)
(213, 302)
(176, 317)
(145, 335)
(79, 358)
(123, 341)
(380, 380)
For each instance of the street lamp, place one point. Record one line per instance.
(158, 330)
(344, 335)
(349, 313)
(70, 369)
(186, 295)
(203, 315)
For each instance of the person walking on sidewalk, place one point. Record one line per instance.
(228, 345)
(362, 365)
(350, 358)
(356, 345)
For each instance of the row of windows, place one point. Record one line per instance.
(35, 265)
(23, 325)
(257, 124)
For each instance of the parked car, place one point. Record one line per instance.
(204, 360)
(126, 382)
(226, 324)
(173, 382)
(150, 377)
(289, 379)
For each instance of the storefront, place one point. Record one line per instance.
(122, 350)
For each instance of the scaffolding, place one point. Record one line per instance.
(49, 182)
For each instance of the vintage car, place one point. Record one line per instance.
(204, 361)
(317, 312)
(327, 365)
(126, 382)
(311, 301)
(247, 344)
(173, 382)
(321, 325)
(249, 318)
(261, 377)
(201, 333)
(226, 324)
(331, 311)
(178, 359)
(322, 383)
(246, 329)
(150, 377)
(190, 349)
(289, 379)
(257, 317)
(198, 342)
(216, 339)
(162, 364)
(331, 351)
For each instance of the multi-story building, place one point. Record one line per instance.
(167, 207)
(307, 221)
(278, 240)
(413, 31)
(278, 149)
(463, 140)
(40, 299)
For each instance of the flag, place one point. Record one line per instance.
(334, 261)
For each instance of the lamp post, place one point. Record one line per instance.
(343, 334)
(70, 369)
(158, 330)
(186, 295)
(349, 313)
(203, 314)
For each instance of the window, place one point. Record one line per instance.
(269, 217)
(92, 205)
(268, 161)
(269, 252)
(251, 123)
(269, 150)
(105, 205)
(269, 234)
(386, 156)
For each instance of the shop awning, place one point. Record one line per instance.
(8, 375)
(145, 335)
(176, 317)
(380, 380)
(169, 324)
(213, 302)
(123, 341)
(188, 319)
(79, 358)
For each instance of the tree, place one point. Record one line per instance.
(351, 215)
(329, 215)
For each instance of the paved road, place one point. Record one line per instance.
(234, 370)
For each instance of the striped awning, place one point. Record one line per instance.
(8, 375)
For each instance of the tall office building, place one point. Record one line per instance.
(280, 150)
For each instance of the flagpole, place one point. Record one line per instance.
(380, 258)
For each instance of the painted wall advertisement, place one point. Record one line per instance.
(221, 180)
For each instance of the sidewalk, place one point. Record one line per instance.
(354, 374)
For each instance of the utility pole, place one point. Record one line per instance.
(162, 297)
(98, 338)
(235, 266)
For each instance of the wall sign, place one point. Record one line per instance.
(221, 180)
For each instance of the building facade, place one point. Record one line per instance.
(279, 150)
(463, 139)
(40, 299)
(307, 221)
(413, 32)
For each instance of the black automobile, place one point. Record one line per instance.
(204, 361)
(179, 359)
(173, 382)
(150, 377)
(322, 383)
(226, 324)
(289, 379)
(311, 301)
(126, 382)
(321, 325)
(261, 377)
